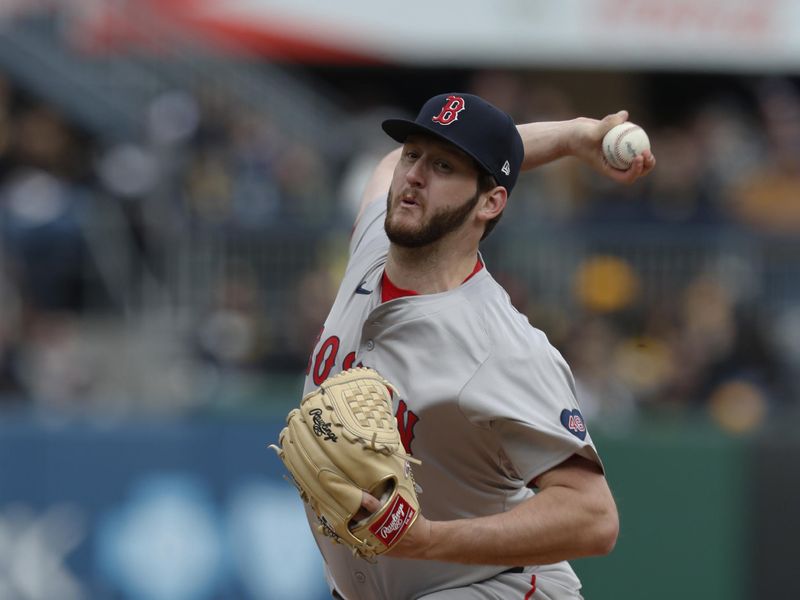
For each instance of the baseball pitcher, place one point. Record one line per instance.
(439, 444)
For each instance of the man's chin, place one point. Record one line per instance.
(406, 237)
(403, 238)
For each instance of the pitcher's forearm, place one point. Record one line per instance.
(537, 532)
(546, 141)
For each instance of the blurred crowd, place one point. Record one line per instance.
(190, 268)
(129, 277)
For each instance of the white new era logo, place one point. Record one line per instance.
(506, 168)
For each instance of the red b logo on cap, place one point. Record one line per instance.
(449, 113)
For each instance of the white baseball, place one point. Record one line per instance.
(623, 143)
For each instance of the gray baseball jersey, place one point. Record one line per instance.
(485, 402)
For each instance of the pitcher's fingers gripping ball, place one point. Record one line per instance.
(344, 439)
(623, 143)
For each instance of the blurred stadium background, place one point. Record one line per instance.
(177, 184)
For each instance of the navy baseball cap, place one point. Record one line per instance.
(473, 125)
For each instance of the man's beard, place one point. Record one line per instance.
(439, 225)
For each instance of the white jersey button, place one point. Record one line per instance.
(360, 577)
(370, 345)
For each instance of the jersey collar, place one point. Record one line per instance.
(390, 291)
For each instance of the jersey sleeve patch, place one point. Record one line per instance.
(572, 420)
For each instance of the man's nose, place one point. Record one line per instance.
(416, 174)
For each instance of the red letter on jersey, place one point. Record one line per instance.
(348, 361)
(326, 358)
(406, 420)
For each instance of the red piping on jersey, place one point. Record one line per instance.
(478, 267)
(390, 291)
(532, 591)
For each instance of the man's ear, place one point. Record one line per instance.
(492, 203)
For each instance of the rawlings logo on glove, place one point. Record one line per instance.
(342, 440)
(321, 428)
